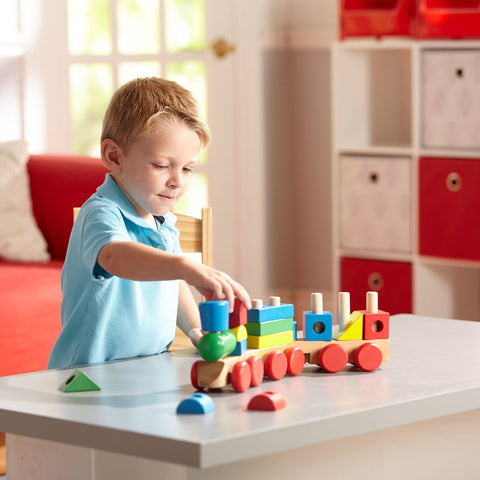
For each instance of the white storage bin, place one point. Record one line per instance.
(375, 203)
(450, 99)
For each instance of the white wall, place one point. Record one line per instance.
(297, 128)
(294, 105)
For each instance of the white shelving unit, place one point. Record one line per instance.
(384, 115)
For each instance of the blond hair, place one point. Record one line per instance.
(141, 106)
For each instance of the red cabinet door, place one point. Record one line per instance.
(392, 281)
(449, 208)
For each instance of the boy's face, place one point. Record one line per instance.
(157, 169)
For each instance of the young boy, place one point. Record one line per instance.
(125, 280)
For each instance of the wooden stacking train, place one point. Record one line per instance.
(243, 347)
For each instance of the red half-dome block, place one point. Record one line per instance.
(267, 401)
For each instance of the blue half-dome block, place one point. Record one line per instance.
(198, 403)
(214, 315)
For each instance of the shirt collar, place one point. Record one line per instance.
(110, 190)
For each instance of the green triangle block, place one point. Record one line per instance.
(78, 381)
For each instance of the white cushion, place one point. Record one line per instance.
(20, 238)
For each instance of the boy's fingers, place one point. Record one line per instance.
(238, 291)
(223, 287)
(228, 292)
(244, 297)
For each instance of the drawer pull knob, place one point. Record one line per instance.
(375, 281)
(459, 72)
(454, 182)
(374, 177)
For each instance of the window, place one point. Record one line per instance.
(11, 68)
(111, 42)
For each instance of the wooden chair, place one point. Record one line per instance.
(195, 237)
(196, 234)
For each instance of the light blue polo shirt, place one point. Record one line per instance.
(105, 317)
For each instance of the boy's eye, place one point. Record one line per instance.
(160, 166)
(188, 169)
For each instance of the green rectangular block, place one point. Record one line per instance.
(267, 328)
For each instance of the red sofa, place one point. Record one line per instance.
(30, 292)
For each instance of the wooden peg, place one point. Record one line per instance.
(343, 310)
(317, 303)
(257, 303)
(372, 302)
(274, 301)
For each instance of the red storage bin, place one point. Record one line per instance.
(449, 211)
(448, 19)
(376, 18)
(392, 281)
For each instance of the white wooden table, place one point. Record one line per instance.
(417, 416)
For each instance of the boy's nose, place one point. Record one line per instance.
(175, 180)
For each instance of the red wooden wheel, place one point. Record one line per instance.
(257, 370)
(295, 359)
(368, 357)
(276, 365)
(241, 376)
(194, 375)
(333, 358)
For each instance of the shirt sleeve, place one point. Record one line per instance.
(100, 226)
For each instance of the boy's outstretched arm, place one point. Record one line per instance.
(136, 261)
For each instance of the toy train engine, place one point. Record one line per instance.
(244, 347)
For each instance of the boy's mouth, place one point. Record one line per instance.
(167, 197)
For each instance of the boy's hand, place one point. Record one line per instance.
(195, 335)
(216, 285)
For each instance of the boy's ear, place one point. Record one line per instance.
(111, 153)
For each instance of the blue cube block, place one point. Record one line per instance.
(317, 326)
(214, 315)
(240, 348)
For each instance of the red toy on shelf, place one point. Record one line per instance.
(448, 19)
(378, 18)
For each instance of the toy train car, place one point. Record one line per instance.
(361, 339)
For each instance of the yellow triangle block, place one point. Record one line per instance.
(354, 330)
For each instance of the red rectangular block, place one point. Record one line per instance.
(239, 315)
